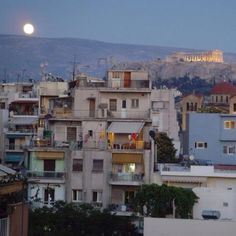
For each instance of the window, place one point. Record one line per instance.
(235, 107)
(187, 108)
(227, 99)
(129, 197)
(49, 165)
(98, 165)
(134, 103)
(225, 204)
(71, 134)
(221, 98)
(123, 103)
(229, 150)
(200, 145)
(77, 195)
(97, 196)
(229, 124)
(2, 105)
(77, 165)
(90, 133)
(129, 167)
(49, 195)
(216, 98)
(113, 104)
(116, 74)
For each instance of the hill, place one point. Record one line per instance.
(26, 57)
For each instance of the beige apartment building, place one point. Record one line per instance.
(106, 129)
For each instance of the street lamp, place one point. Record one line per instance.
(153, 134)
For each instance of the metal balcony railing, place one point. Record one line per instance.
(46, 174)
(15, 147)
(126, 177)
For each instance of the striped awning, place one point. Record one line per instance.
(42, 155)
(184, 179)
(123, 158)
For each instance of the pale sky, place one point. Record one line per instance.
(195, 24)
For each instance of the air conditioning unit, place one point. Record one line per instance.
(210, 215)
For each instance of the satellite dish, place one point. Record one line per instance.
(191, 157)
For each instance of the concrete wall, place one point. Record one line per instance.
(216, 199)
(179, 227)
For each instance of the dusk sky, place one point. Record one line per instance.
(196, 24)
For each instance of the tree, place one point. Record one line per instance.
(69, 219)
(158, 201)
(165, 149)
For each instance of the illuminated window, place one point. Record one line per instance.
(229, 124)
(129, 168)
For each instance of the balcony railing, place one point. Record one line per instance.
(15, 147)
(138, 145)
(46, 174)
(121, 83)
(127, 177)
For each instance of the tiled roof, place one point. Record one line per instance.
(223, 88)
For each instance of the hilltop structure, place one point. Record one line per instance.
(209, 56)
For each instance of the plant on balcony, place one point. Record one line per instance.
(158, 201)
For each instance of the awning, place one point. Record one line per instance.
(125, 127)
(124, 158)
(49, 155)
(23, 120)
(14, 157)
(184, 179)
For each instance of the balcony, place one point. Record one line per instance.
(128, 114)
(62, 112)
(123, 84)
(13, 147)
(137, 145)
(45, 174)
(126, 179)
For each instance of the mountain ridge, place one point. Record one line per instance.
(26, 57)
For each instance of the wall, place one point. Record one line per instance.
(179, 227)
(224, 202)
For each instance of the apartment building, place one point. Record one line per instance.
(22, 114)
(106, 130)
(210, 137)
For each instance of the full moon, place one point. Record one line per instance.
(28, 28)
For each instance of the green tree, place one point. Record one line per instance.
(158, 201)
(69, 220)
(165, 149)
